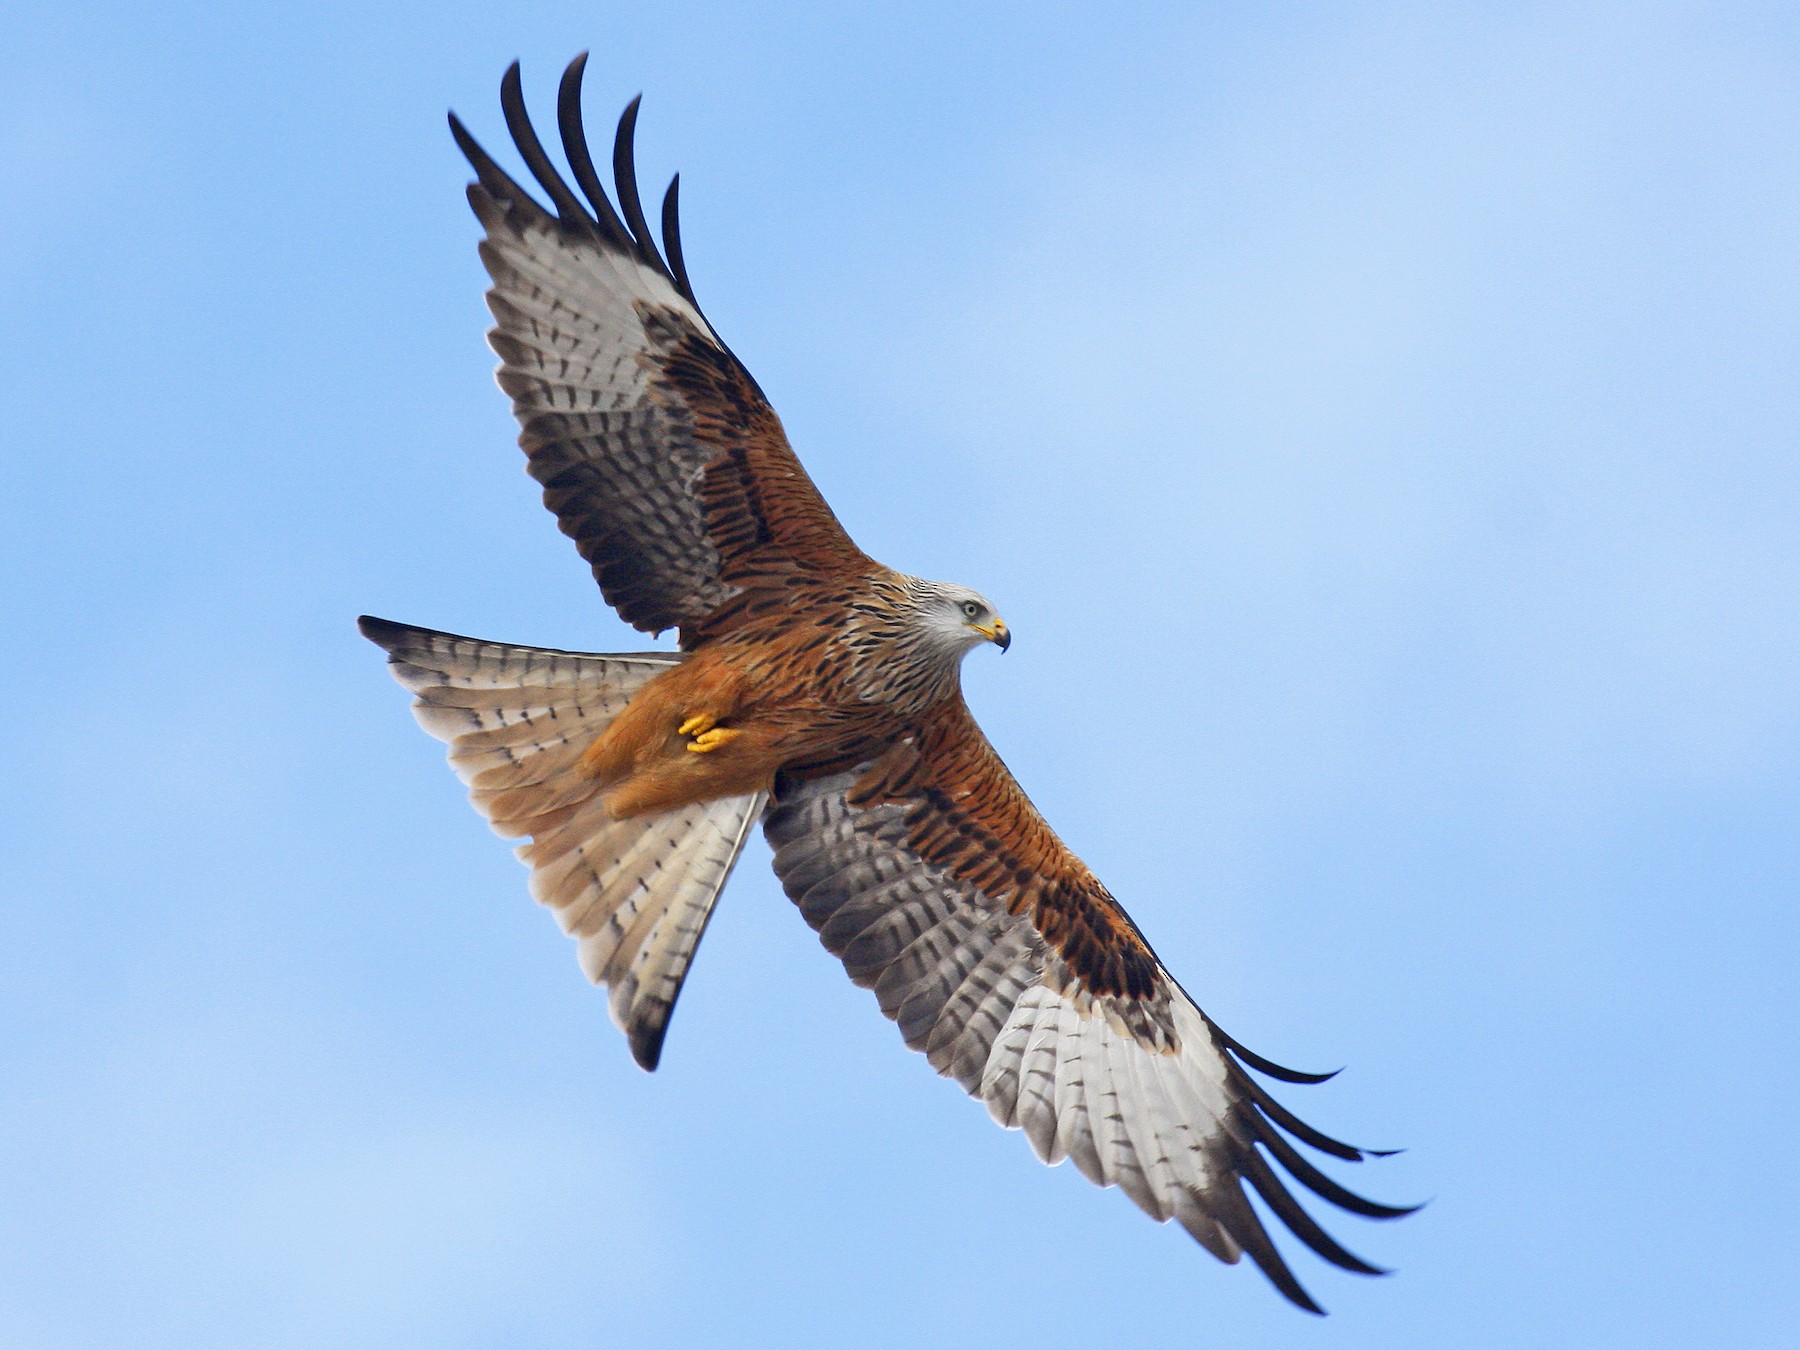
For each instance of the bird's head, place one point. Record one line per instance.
(960, 619)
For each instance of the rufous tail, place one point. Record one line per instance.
(636, 894)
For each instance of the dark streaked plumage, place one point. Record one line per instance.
(819, 691)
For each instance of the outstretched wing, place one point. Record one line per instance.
(657, 451)
(1008, 964)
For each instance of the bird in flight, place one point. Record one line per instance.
(817, 692)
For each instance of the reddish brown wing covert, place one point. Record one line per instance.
(965, 812)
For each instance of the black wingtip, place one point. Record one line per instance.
(1264, 1102)
(1301, 1224)
(569, 209)
(625, 184)
(581, 160)
(1323, 1186)
(626, 227)
(1240, 1219)
(384, 633)
(646, 1046)
(479, 159)
(1263, 1065)
(671, 225)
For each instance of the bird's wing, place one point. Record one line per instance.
(1003, 959)
(657, 451)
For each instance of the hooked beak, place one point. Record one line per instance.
(995, 633)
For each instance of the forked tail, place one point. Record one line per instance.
(636, 893)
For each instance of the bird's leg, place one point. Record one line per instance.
(706, 732)
(712, 738)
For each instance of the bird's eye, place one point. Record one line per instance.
(971, 609)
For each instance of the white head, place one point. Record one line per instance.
(956, 620)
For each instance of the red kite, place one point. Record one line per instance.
(817, 691)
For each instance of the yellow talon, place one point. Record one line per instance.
(712, 739)
(697, 725)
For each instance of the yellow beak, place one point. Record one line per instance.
(995, 633)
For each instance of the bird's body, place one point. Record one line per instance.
(818, 692)
(828, 675)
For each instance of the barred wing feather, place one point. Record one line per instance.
(656, 450)
(1151, 1098)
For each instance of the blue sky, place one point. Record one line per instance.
(1378, 425)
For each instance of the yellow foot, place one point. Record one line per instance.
(713, 738)
(697, 725)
